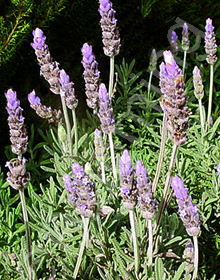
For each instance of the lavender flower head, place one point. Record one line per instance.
(81, 191)
(128, 186)
(91, 76)
(153, 60)
(105, 111)
(187, 210)
(173, 43)
(173, 100)
(52, 116)
(146, 202)
(185, 38)
(67, 90)
(110, 33)
(49, 69)
(188, 255)
(18, 132)
(197, 81)
(210, 42)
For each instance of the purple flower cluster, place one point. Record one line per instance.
(173, 43)
(185, 38)
(197, 81)
(49, 69)
(105, 111)
(81, 191)
(18, 132)
(188, 255)
(91, 76)
(187, 210)
(128, 186)
(146, 202)
(51, 115)
(210, 42)
(110, 33)
(173, 101)
(136, 191)
(67, 90)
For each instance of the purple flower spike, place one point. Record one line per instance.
(146, 202)
(173, 100)
(185, 38)
(128, 186)
(173, 43)
(110, 33)
(187, 210)
(33, 99)
(81, 191)
(18, 132)
(91, 76)
(105, 111)
(178, 186)
(39, 39)
(210, 42)
(67, 90)
(51, 115)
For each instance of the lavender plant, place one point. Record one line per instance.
(151, 243)
(17, 177)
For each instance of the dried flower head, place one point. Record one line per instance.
(210, 42)
(18, 132)
(110, 33)
(91, 76)
(185, 38)
(51, 115)
(81, 191)
(197, 81)
(105, 111)
(17, 177)
(128, 185)
(173, 101)
(187, 210)
(146, 201)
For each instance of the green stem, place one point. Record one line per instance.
(161, 155)
(163, 203)
(112, 156)
(184, 62)
(201, 116)
(150, 243)
(75, 131)
(67, 122)
(134, 237)
(111, 77)
(196, 257)
(210, 94)
(103, 171)
(28, 235)
(82, 246)
(149, 83)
